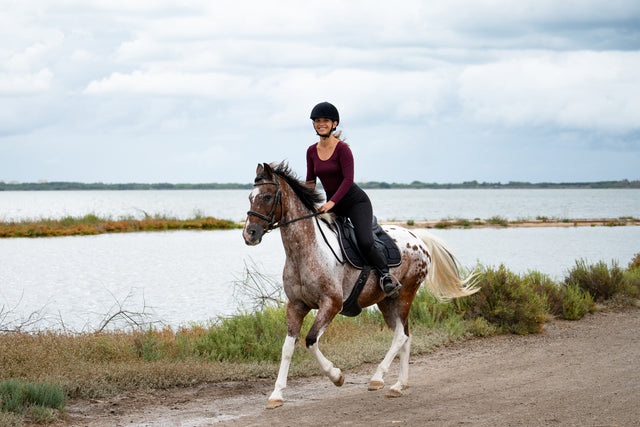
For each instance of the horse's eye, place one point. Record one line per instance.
(267, 197)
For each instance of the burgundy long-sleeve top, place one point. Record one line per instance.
(335, 173)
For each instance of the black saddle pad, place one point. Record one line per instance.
(349, 245)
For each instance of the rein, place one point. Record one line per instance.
(273, 223)
(341, 261)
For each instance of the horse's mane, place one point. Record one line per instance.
(309, 197)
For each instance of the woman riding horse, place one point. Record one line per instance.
(315, 279)
(331, 160)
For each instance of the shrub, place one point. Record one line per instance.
(598, 279)
(426, 310)
(549, 290)
(506, 300)
(575, 303)
(246, 337)
(635, 262)
(566, 301)
(631, 287)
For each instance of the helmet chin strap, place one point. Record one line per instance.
(333, 129)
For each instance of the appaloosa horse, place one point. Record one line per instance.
(315, 279)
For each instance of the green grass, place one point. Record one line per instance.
(35, 400)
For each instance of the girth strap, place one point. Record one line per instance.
(351, 307)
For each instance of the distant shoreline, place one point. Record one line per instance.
(93, 225)
(498, 222)
(79, 186)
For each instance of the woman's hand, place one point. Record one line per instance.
(327, 206)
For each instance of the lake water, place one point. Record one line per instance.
(388, 204)
(188, 276)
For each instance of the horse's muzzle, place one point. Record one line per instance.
(252, 234)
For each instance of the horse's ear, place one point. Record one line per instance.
(259, 169)
(268, 171)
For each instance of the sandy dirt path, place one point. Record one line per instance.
(584, 373)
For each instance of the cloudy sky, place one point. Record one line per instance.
(436, 91)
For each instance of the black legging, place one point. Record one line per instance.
(356, 206)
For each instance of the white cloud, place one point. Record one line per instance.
(161, 83)
(25, 83)
(582, 90)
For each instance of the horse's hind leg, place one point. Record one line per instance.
(400, 339)
(403, 378)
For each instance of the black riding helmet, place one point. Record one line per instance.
(325, 110)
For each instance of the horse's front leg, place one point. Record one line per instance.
(295, 316)
(325, 315)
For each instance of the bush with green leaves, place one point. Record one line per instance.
(245, 337)
(576, 303)
(426, 310)
(631, 286)
(566, 301)
(507, 301)
(548, 289)
(598, 279)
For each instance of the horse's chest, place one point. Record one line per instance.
(309, 283)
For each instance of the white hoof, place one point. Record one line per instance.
(274, 403)
(376, 385)
(392, 392)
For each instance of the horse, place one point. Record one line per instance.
(315, 279)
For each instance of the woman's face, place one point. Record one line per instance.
(324, 126)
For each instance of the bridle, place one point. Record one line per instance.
(272, 221)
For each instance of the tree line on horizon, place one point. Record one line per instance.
(66, 186)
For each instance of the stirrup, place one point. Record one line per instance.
(389, 288)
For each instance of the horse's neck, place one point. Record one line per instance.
(300, 234)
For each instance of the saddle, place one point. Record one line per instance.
(349, 245)
(351, 254)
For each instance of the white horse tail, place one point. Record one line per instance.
(444, 279)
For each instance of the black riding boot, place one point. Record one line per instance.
(378, 259)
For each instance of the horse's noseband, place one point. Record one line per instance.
(272, 222)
